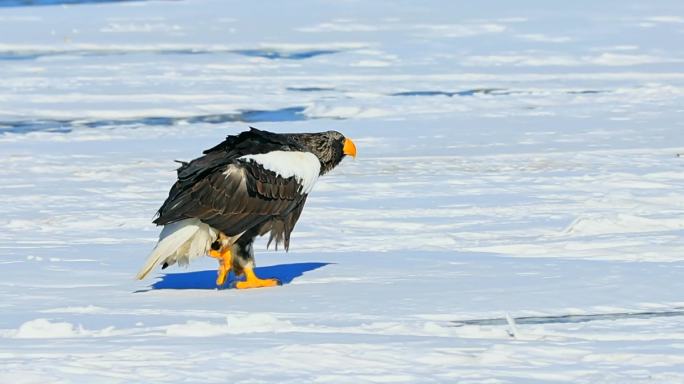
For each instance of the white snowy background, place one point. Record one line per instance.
(515, 214)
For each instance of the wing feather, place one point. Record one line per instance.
(235, 198)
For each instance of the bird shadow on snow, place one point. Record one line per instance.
(285, 273)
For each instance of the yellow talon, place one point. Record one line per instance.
(225, 259)
(252, 281)
(222, 275)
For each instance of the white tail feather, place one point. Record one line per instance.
(180, 242)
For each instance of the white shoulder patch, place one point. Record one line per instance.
(304, 166)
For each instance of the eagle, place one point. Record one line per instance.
(251, 184)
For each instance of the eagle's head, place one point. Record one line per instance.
(330, 147)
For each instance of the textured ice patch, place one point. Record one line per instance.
(621, 223)
(465, 29)
(194, 328)
(457, 30)
(44, 329)
(269, 51)
(140, 27)
(666, 19)
(341, 26)
(604, 59)
(235, 324)
(89, 309)
(543, 38)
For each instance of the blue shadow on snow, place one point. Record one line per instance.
(207, 279)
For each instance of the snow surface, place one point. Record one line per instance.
(514, 214)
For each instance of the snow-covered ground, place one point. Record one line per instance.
(515, 214)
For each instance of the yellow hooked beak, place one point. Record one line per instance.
(349, 148)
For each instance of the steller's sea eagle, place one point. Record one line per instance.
(248, 185)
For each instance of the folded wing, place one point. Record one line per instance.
(260, 192)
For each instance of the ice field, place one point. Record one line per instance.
(515, 213)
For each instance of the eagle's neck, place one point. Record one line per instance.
(319, 145)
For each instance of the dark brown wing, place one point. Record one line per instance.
(237, 197)
(281, 226)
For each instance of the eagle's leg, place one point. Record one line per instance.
(243, 264)
(225, 258)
